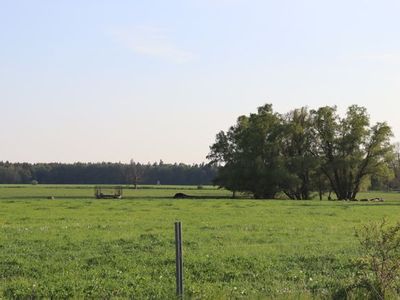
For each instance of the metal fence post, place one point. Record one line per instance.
(179, 259)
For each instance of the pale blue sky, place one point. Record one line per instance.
(113, 80)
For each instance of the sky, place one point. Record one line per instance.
(117, 80)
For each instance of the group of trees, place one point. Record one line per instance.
(303, 151)
(107, 173)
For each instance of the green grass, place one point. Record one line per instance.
(77, 246)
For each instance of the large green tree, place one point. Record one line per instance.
(300, 165)
(249, 154)
(349, 149)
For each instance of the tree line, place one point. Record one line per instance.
(306, 151)
(107, 173)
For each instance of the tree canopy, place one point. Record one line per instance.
(301, 151)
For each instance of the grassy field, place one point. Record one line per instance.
(77, 246)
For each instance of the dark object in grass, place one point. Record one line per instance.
(50, 197)
(181, 196)
(376, 199)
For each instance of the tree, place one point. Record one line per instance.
(349, 149)
(222, 152)
(134, 173)
(300, 165)
(249, 154)
(391, 180)
(9, 174)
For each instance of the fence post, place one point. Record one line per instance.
(179, 259)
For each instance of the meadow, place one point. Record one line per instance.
(75, 246)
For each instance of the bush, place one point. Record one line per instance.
(379, 266)
(34, 182)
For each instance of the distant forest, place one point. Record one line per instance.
(106, 173)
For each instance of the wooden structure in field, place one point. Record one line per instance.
(108, 192)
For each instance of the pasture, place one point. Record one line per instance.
(77, 246)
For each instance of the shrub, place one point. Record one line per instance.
(379, 266)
